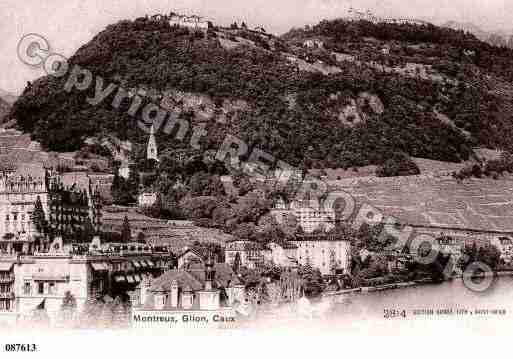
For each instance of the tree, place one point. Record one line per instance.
(68, 307)
(119, 314)
(312, 280)
(124, 191)
(87, 233)
(126, 232)
(398, 165)
(489, 255)
(237, 263)
(39, 217)
(141, 238)
(333, 262)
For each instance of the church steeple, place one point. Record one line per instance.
(152, 153)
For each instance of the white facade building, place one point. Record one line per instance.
(283, 254)
(250, 253)
(324, 252)
(146, 199)
(311, 214)
(18, 194)
(193, 22)
(42, 280)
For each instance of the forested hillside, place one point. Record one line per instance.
(368, 93)
(4, 109)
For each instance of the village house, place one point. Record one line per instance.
(189, 256)
(505, 246)
(313, 44)
(398, 262)
(283, 254)
(250, 253)
(205, 289)
(146, 199)
(451, 246)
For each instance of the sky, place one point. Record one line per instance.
(68, 24)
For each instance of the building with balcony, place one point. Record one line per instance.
(19, 191)
(42, 279)
(74, 206)
(310, 213)
(7, 296)
(328, 253)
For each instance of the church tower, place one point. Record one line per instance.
(152, 153)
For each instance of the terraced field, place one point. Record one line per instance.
(478, 204)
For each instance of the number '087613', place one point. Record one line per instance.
(20, 347)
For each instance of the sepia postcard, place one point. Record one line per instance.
(234, 171)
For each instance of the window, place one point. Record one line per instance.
(52, 288)
(40, 288)
(26, 288)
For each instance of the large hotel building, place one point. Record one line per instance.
(37, 271)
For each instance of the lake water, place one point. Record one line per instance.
(447, 305)
(445, 309)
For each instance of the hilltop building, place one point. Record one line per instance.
(357, 15)
(193, 22)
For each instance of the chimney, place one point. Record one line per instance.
(174, 294)
(159, 296)
(144, 290)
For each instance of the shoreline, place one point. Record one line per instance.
(400, 285)
(373, 289)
